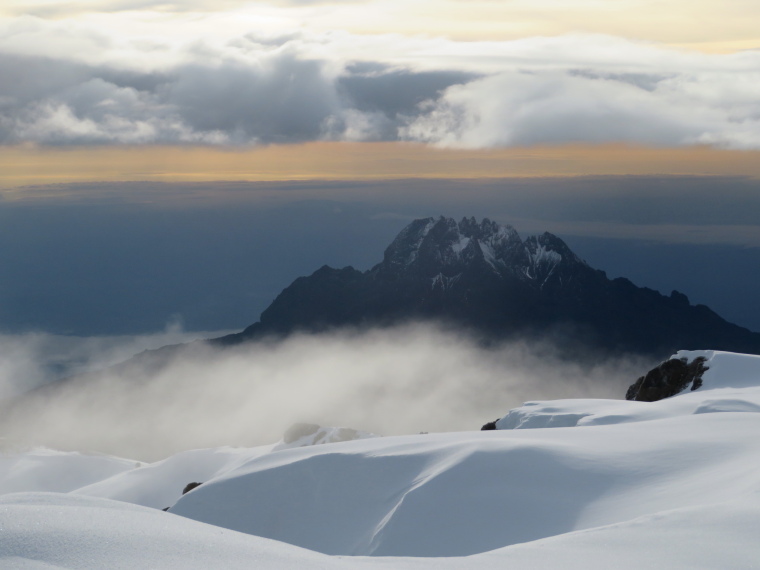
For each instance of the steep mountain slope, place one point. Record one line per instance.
(484, 277)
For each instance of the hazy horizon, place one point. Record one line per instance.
(130, 257)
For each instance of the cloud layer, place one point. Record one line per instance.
(78, 86)
(31, 360)
(403, 380)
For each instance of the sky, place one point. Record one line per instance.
(184, 161)
(447, 73)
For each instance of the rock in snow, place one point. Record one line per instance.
(668, 379)
(614, 484)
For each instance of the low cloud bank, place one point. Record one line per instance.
(392, 381)
(32, 360)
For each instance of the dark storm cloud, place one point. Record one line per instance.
(394, 95)
(285, 100)
(34, 78)
(263, 88)
(281, 98)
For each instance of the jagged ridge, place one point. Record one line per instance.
(484, 277)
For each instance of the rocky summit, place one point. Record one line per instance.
(483, 277)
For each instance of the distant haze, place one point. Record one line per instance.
(128, 258)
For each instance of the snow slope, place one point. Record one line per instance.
(613, 484)
(49, 470)
(42, 530)
(460, 494)
(45, 530)
(731, 384)
(160, 484)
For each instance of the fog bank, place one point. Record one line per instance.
(392, 381)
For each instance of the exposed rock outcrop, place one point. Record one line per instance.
(668, 379)
(190, 486)
(489, 425)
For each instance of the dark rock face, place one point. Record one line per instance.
(190, 486)
(489, 426)
(668, 379)
(483, 277)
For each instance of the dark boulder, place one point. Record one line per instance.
(190, 486)
(489, 425)
(667, 379)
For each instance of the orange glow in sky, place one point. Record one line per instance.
(24, 166)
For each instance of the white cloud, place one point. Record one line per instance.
(518, 109)
(31, 360)
(401, 380)
(72, 84)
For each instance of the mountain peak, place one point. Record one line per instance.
(482, 276)
(442, 246)
(433, 246)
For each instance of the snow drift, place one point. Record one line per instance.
(680, 476)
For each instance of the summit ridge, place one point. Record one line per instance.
(483, 277)
(442, 249)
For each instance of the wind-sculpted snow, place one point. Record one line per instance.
(157, 485)
(44, 530)
(615, 484)
(160, 484)
(726, 369)
(460, 494)
(49, 470)
(731, 383)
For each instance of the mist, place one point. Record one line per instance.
(34, 359)
(410, 379)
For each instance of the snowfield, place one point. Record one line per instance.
(596, 484)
